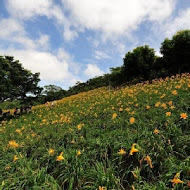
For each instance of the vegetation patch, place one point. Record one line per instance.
(134, 137)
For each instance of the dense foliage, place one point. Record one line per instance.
(15, 81)
(52, 92)
(134, 137)
(140, 63)
(176, 53)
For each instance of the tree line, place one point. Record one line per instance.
(20, 85)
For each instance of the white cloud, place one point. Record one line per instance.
(10, 27)
(69, 34)
(43, 41)
(51, 68)
(116, 18)
(26, 9)
(23, 10)
(181, 22)
(63, 55)
(13, 31)
(101, 55)
(93, 70)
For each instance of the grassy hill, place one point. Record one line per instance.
(136, 137)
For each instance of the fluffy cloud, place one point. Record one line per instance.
(181, 22)
(93, 70)
(115, 18)
(52, 68)
(10, 27)
(13, 31)
(23, 9)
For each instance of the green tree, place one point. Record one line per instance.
(117, 76)
(15, 81)
(140, 62)
(53, 92)
(176, 53)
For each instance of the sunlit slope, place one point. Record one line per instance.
(136, 137)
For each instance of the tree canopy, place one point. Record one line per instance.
(53, 92)
(176, 53)
(140, 62)
(15, 81)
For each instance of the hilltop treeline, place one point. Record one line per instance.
(141, 64)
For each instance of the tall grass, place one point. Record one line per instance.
(135, 137)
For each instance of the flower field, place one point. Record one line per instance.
(136, 137)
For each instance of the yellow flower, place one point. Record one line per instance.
(80, 126)
(102, 188)
(176, 179)
(15, 158)
(13, 144)
(79, 153)
(149, 161)
(121, 151)
(170, 103)
(60, 157)
(132, 120)
(174, 92)
(114, 116)
(133, 149)
(120, 109)
(157, 104)
(51, 151)
(147, 107)
(133, 188)
(168, 113)
(156, 131)
(127, 109)
(164, 105)
(162, 96)
(183, 116)
(18, 131)
(73, 142)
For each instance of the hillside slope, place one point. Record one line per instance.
(136, 137)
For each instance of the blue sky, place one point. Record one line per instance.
(74, 40)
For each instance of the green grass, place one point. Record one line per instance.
(85, 122)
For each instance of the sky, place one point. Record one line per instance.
(75, 40)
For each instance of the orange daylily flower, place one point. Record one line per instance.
(183, 116)
(168, 113)
(121, 151)
(13, 144)
(60, 157)
(15, 158)
(79, 153)
(149, 161)
(133, 149)
(156, 131)
(51, 151)
(114, 116)
(176, 179)
(102, 188)
(132, 120)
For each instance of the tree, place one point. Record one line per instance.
(176, 53)
(117, 76)
(140, 62)
(15, 81)
(53, 92)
